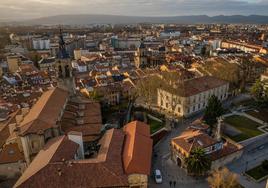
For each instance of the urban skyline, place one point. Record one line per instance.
(29, 9)
(133, 94)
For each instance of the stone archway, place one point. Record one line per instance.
(179, 162)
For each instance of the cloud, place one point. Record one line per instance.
(19, 9)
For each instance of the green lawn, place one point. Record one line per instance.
(247, 127)
(154, 125)
(258, 172)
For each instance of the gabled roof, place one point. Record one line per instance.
(195, 86)
(49, 170)
(192, 138)
(44, 113)
(137, 152)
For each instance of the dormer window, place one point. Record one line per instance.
(81, 113)
(80, 121)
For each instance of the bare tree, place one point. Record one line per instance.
(223, 178)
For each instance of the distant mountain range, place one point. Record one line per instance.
(84, 19)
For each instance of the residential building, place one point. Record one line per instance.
(196, 136)
(47, 64)
(41, 44)
(170, 34)
(13, 62)
(243, 46)
(125, 43)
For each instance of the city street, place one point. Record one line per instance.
(170, 171)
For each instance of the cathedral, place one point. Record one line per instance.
(148, 58)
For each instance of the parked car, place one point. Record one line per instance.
(158, 176)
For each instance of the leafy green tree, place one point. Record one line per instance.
(257, 90)
(213, 110)
(198, 163)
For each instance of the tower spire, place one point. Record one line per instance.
(62, 50)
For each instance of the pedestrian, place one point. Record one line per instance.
(174, 183)
(170, 183)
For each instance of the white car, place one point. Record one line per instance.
(158, 176)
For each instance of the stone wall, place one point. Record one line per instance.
(138, 180)
(227, 159)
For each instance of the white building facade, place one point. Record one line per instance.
(190, 103)
(41, 44)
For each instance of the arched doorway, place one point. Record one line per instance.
(178, 161)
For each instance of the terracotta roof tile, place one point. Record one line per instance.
(192, 138)
(45, 112)
(11, 154)
(137, 152)
(104, 171)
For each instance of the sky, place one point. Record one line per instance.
(27, 9)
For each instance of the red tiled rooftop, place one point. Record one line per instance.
(11, 154)
(45, 112)
(104, 171)
(137, 152)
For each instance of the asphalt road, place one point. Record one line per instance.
(170, 171)
(253, 155)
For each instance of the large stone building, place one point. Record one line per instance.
(41, 124)
(148, 58)
(248, 48)
(123, 159)
(190, 96)
(26, 131)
